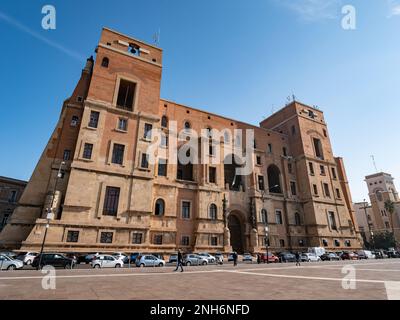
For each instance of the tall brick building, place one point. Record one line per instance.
(109, 197)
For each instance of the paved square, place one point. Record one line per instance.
(321, 280)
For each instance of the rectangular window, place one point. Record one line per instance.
(72, 236)
(258, 160)
(318, 148)
(185, 209)
(212, 174)
(67, 155)
(332, 220)
(13, 196)
(106, 237)
(293, 130)
(74, 121)
(284, 152)
(334, 173)
(338, 193)
(137, 238)
(290, 168)
(269, 148)
(162, 167)
(4, 221)
(211, 150)
(164, 140)
(214, 241)
(94, 119)
(326, 190)
(185, 240)
(322, 170)
(147, 131)
(87, 150)
(278, 217)
(158, 239)
(145, 161)
(311, 166)
(315, 189)
(122, 124)
(293, 188)
(118, 154)
(126, 95)
(387, 225)
(111, 200)
(261, 183)
(282, 243)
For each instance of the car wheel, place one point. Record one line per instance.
(96, 266)
(160, 264)
(29, 262)
(118, 265)
(188, 263)
(141, 265)
(308, 260)
(204, 263)
(11, 267)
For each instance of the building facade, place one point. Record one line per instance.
(110, 196)
(381, 188)
(10, 192)
(365, 220)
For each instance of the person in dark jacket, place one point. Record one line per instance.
(298, 258)
(179, 261)
(235, 258)
(258, 258)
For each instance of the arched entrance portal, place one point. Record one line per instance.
(235, 228)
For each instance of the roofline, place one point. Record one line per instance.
(378, 174)
(13, 180)
(224, 117)
(140, 41)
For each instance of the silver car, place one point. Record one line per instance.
(106, 261)
(194, 260)
(209, 257)
(6, 263)
(149, 260)
(27, 257)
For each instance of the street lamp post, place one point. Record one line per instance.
(266, 228)
(50, 214)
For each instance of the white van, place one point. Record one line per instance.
(365, 254)
(318, 251)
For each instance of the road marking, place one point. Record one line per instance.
(392, 290)
(303, 277)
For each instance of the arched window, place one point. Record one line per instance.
(227, 137)
(104, 62)
(213, 211)
(274, 181)
(264, 217)
(297, 219)
(160, 207)
(379, 195)
(134, 49)
(164, 121)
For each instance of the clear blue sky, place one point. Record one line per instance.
(237, 58)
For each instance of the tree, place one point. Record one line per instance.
(389, 207)
(384, 240)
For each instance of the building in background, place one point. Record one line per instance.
(109, 197)
(366, 221)
(10, 192)
(381, 188)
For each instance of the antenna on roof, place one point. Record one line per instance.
(374, 163)
(156, 37)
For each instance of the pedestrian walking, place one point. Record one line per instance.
(298, 258)
(235, 257)
(179, 261)
(258, 258)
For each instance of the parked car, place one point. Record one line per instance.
(347, 255)
(9, 254)
(210, 258)
(194, 259)
(90, 257)
(271, 257)
(27, 257)
(287, 257)
(132, 257)
(53, 259)
(247, 257)
(219, 256)
(149, 260)
(173, 258)
(365, 254)
(230, 257)
(7, 263)
(310, 257)
(330, 256)
(119, 256)
(318, 251)
(380, 254)
(158, 255)
(73, 256)
(106, 261)
(393, 254)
